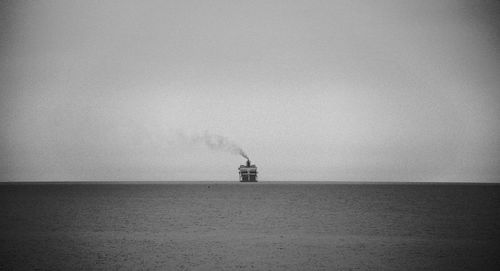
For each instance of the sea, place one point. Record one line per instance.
(249, 226)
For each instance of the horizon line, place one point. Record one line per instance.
(231, 181)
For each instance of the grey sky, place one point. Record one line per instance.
(311, 90)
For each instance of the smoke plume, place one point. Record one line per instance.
(216, 142)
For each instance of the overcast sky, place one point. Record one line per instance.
(311, 90)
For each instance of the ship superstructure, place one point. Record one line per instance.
(248, 172)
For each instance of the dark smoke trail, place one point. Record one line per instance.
(217, 142)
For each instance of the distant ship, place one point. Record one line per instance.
(248, 172)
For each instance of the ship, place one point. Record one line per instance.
(248, 172)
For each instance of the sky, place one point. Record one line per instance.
(388, 90)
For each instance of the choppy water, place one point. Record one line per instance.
(270, 226)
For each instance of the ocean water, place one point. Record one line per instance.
(249, 226)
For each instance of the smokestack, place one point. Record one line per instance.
(248, 162)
